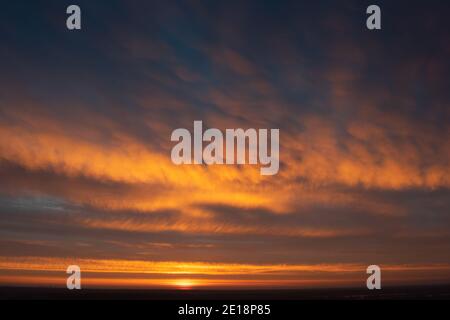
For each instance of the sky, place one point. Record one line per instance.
(86, 116)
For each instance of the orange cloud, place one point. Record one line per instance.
(132, 273)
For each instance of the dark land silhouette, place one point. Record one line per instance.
(441, 292)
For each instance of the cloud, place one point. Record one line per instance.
(113, 273)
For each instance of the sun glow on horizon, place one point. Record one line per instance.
(185, 284)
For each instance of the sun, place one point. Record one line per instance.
(184, 284)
